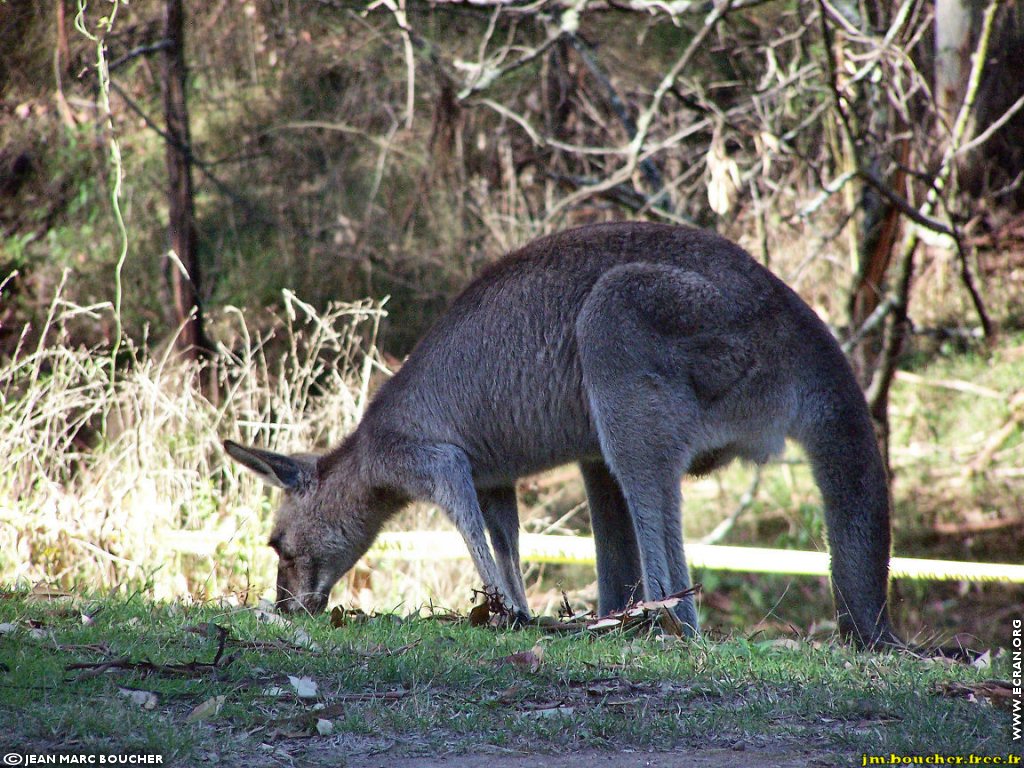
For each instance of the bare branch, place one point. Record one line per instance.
(721, 530)
(142, 50)
(547, 141)
(872, 322)
(649, 169)
(646, 117)
(486, 75)
(201, 165)
(397, 8)
(993, 128)
(915, 215)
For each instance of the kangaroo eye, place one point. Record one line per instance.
(285, 557)
(286, 562)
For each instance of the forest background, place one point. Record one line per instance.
(203, 206)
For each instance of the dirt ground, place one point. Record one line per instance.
(690, 758)
(353, 751)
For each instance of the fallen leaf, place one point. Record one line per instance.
(598, 625)
(479, 616)
(787, 643)
(207, 710)
(299, 636)
(998, 693)
(607, 686)
(558, 711)
(341, 617)
(654, 611)
(670, 623)
(508, 695)
(652, 605)
(938, 661)
(273, 690)
(305, 687)
(143, 699)
(43, 592)
(269, 617)
(526, 659)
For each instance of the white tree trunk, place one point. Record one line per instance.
(954, 28)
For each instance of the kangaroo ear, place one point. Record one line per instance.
(288, 472)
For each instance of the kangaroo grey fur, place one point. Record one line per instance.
(642, 351)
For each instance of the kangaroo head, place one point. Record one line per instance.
(320, 529)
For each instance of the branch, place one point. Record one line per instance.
(324, 125)
(873, 321)
(917, 216)
(542, 140)
(646, 117)
(142, 50)
(967, 277)
(963, 116)
(989, 132)
(878, 391)
(650, 170)
(827, 191)
(202, 165)
(486, 78)
(627, 195)
(398, 11)
(721, 530)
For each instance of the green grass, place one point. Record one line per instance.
(424, 685)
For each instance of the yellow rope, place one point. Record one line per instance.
(444, 545)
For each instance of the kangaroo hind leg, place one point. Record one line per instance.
(658, 351)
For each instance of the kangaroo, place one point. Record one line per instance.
(643, 352)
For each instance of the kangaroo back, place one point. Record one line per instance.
(500, 372)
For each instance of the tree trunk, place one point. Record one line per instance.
(181, 263)
(877, 238)
(954, 31)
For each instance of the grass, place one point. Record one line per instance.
(430, 685)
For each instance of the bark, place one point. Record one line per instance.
(182, 272)
(62, 52)
(954, 31)
(877, 239)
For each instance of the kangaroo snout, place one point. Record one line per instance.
(303, 585)
(311, 603)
